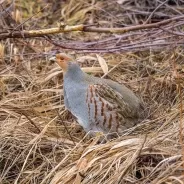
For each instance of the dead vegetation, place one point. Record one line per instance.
(34, 144)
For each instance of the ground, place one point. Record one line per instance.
(35, 146)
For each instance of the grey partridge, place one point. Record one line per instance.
(100, 105)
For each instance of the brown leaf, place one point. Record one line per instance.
(102, 63)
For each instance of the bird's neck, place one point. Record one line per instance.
(74, 73)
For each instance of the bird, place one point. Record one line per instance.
(99, 105)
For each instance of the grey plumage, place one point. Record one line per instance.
(85, 96)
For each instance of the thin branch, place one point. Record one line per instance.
(8, 9)
(150, 16)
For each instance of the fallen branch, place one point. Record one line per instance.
(84, 28)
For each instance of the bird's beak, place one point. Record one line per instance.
(52, 59)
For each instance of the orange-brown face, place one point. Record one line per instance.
(62, 60)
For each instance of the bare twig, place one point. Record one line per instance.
(8, 9)
(149, 18)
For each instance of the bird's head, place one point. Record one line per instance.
(70, 68)
(63, 60)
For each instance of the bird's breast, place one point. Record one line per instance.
(75, 96)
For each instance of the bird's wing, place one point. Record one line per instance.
(107, 109)
(123, 92)
(127, 94)
(114, 98)
(134, 103)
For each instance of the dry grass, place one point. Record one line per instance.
(34, 144)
